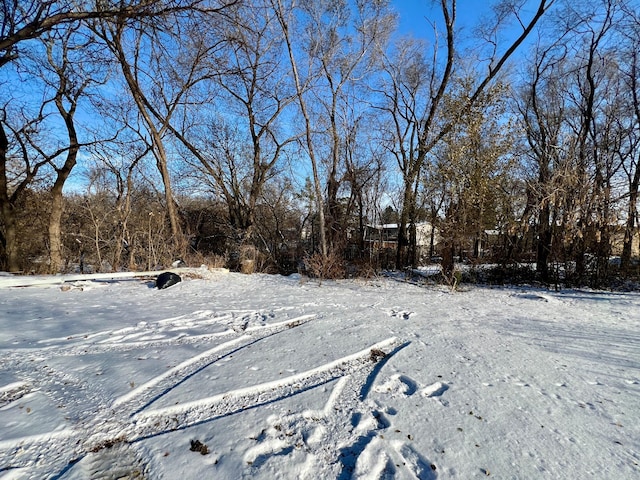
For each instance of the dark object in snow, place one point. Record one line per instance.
(198, 446)
(376, 354)
(166, 279)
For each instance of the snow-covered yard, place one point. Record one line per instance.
(235, 376)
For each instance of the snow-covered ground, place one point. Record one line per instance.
(236, 376)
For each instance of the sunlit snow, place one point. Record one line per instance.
(230, 376)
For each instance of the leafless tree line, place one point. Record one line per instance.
(274, 131)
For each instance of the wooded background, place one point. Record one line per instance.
(273, 134)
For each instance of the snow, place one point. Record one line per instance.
(232, 376)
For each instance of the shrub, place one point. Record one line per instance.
(329, 267)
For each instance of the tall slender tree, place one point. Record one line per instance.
(286, 14)
(433, 123)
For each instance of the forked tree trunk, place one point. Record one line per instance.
(62, 173)
(57, 208)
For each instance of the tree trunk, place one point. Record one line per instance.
(57, 208)
(406, 216)
(543, 249)
(447, 259)
(62, 173)
(333, 184)
(163, 168)
(432, 239)
(156, 144)
(10, 236)
(632, 211)
(308, 130)
(7, 212)
(55, 231)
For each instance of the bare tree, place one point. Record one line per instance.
(285, 13)
(18, 170)
(232, 140)
(365, 165)
(20, 24)
(240, 146)
(162, 64)
(29, 19)
(594, 96)
(405, 98)
(136, 67)
(72, 72)
(115, 176)
(432, 123)
(577, 118)
(346, 59)
(338, 47)
(630, 151)
(543, 110)
(63, 67)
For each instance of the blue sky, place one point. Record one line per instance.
(413, 12)
(416, 15)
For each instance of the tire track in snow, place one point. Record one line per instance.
(78, 398)
(91, 443)
(154, 422)
(127, 339)
(43, 451)
(99, 425)
(35, 456)
(13, 391)
(138, 337)
(147, 393)
(123, 461)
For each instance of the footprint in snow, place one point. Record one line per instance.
(417, 464)
(398, 385)
(373, 462)
(434, 390)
